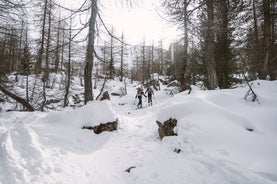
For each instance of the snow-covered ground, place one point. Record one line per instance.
(216, 147)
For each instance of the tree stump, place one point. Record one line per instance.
(105, 96)
(166, 129)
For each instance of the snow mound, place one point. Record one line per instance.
(92, 114)
(223, 125)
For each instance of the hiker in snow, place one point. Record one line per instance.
(149, 93)
(139, 96)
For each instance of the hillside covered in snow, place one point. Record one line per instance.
(221, 139)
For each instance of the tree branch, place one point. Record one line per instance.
(20, 100)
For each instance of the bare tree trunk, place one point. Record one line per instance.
(223, 52)
(111, 66)
(210, 47)
(57, 53)
(148, 64)
(12, 50)
(89, 53)
(161, 59)
(26, 60)
(152, 60)
(267, 37)
(27, 87)
(34, 88)
(102, 89)
(137, 67)
(44, 95)
(39, 59)
(65, 102)
(143, 62)
(96, 78)
(257, 42)
(17, 67)
(63, 43)
(184, 63)
(105, 67)
(45, 76)
(46, 69)
(273, 63)
(121, 59)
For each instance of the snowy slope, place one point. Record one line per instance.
(215, 145)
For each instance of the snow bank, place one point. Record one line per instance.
(216, 122)
(51, 147)
(92, 114)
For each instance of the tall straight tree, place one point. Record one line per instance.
(47, 52)
(273, 72)
(267, 37)
(111, 65)
(65, 101)
(209, 55)
(57, 49)
(121, 58)
(257, 51)
(161, 58)
(90, 52)
(41, 48)
(143, 62)
(186, 44)
(223, 56)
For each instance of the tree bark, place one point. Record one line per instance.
(39, 60)
(46, 69)
(161, 59)
(57, 52)
(65, 103)
(257, 42)
(89, 53)
(223, 56)
(267, 37)
(210, 47)
(143, 62)
(111, 66)
(183, 66)
(121, 58)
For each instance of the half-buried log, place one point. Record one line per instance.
(109, 126)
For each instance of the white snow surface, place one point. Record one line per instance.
(215, 145)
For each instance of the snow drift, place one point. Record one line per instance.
(214, 139)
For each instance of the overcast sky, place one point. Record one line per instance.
(137, 22)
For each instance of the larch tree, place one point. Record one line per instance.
(89, 52)
(122, 58)
(42, 41)
(67, 86)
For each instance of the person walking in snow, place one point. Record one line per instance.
(139, 96)
(149, 93)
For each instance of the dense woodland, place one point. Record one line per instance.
(220, 41)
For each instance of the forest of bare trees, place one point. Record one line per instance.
(220, 40)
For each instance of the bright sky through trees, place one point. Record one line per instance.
(137, 22)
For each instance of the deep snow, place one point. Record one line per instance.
(215, 145)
